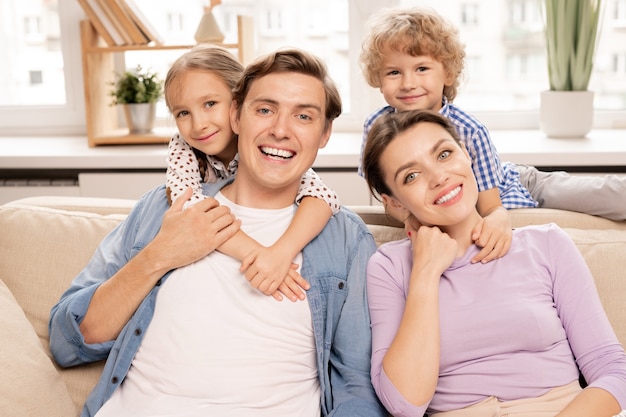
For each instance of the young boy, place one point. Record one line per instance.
(415, 57)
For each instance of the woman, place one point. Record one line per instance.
(454, 338)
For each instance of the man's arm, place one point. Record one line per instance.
(353, 392)
(102, 310)
(185, 237)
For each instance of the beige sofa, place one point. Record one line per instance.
(45, 241)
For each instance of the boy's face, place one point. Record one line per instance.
(412, 82)
(200, 105)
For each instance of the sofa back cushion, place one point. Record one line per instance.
(43, 249)
(29, 382)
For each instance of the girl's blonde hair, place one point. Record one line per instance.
(204, 57)
(415, 31)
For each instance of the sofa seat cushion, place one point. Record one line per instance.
(29, 383)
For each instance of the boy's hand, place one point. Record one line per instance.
(493, 234)
(267, 270)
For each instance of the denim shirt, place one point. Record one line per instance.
(334, 263)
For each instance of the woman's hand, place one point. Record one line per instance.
(433, 250)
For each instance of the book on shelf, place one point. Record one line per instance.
(120, 14)
(106, 10)
(101, 23)
(110, 25)
(141, 21)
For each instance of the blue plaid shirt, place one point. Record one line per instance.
(488, 169)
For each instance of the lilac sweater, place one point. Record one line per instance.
(512, 328)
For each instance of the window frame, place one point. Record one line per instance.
(68, 119)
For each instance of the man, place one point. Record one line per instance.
(182, 331)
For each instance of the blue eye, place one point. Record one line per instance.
(445, 154)
(410, 177)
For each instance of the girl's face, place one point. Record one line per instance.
(412, 82)
(430, 175)
(200, 103)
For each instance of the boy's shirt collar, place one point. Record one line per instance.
(445, 107)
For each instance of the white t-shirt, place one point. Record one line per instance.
(218, 347)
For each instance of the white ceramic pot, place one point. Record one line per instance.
(566, 113)
(140, 117)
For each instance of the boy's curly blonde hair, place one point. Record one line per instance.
(415, 31)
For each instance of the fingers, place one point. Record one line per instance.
(180, 201)
(206, 204)
(492, 250)
(292, 286)
(277, 296)
(225, 233)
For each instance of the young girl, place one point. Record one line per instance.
(459, 339)
(198, 94)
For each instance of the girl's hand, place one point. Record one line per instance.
(292, 286)
(493, 234)
(269, 271)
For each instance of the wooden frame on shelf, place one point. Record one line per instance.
(102, 122)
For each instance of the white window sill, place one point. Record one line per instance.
(601, 148)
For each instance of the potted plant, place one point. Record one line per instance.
(571, 30)
(138, 90)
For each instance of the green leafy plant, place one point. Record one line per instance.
(571, 29)
(137, 86)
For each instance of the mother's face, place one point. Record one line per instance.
(429, 175)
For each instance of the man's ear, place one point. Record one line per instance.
(234, 117)
(326, 136)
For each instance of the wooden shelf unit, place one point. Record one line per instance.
(102, 122)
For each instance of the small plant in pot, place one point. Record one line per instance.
(138, 90)
(571, 31)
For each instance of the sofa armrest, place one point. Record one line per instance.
(102, 206)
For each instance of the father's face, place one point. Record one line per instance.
(281, 128)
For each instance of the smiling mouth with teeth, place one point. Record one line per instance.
(453, 193)
(276, 153)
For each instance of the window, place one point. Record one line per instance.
(505, 68)
(36, 77)
(619, 12)
(41, 91)
(470, 14)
